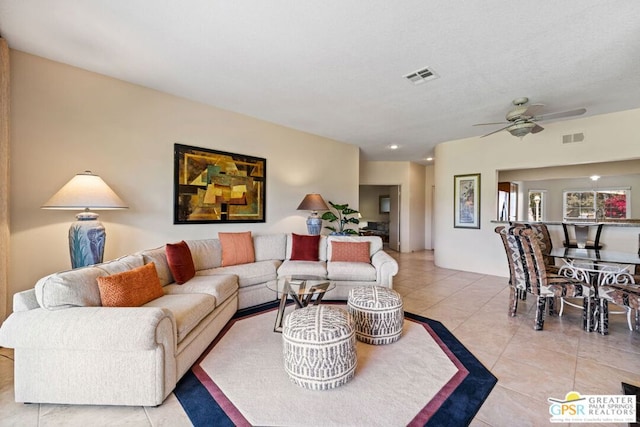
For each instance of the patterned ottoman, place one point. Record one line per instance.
(378, 314)
(319, 347)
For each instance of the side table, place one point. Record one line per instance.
(301, 289)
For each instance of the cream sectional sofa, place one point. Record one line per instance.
(71, 350)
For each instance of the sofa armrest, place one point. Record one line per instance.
(386, 268)
(89, 328)
(25, 300)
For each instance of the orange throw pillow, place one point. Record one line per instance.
(132, 288)
(180, 261)
(350, 251)
(237, 248)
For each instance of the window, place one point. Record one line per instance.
(597, 204)
(536, 204)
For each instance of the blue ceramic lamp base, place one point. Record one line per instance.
(314, 224)
(86, 240)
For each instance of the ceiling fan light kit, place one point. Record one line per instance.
(521, 121)
(521, 129)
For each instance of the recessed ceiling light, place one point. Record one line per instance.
(428, 159)
(393, 147)
(594, 177)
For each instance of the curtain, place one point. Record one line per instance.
(4, 179)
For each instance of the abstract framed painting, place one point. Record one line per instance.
(466, 201)
(212, 186)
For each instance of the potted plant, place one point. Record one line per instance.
(343, 218)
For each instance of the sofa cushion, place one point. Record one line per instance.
(270, 246)
(188, 309)
(206, 253)
(72, 288)
(248, 274)
(180, 261)
(303, 268)
(131, 288)
(220, 286)
(158, 256)
(350, 252)
(304, 248)
(237, 248)
(375, 242)
(357, 271)
(119, 265)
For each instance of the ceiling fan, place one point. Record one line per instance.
(521, 121)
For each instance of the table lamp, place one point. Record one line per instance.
(314, 203)
(87, 236)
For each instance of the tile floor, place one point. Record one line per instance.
(531, 366)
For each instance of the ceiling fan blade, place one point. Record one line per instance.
(537, 128)
(498, 130)
(532, 110)
(493, 124)
(553, 116)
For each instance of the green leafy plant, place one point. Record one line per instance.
(342, 216)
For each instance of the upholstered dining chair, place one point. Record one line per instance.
(626, 295)
(600, 274)
(528, 272)
(541, 232)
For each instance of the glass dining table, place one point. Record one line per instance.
(598, 267)
(594, 255)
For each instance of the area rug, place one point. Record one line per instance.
(426, 378)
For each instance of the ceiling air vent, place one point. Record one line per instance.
(421, 76)
(576, 137)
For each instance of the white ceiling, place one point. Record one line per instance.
(335, 68)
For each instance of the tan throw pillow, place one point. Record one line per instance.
(237, 248)
(132, 288)
(350, 251)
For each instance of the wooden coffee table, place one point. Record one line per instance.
(302, 290)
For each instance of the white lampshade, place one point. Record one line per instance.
(85, 191)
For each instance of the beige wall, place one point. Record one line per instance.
(66, 120)
(417, 234)
(429, 187)
(608, 137)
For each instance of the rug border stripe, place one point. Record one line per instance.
(464, 403)
(445, 392)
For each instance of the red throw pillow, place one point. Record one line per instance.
(350, 251)
(132, 288)
(180, 262)
(304, 248)
(237, 248)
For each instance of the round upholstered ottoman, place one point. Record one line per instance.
(319, 347)
(378, 314)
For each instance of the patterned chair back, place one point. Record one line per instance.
(541, 231)
(526, 262)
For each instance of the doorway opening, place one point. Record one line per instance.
(380, 212)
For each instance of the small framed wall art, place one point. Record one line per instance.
(466, 201)
(213, 186)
